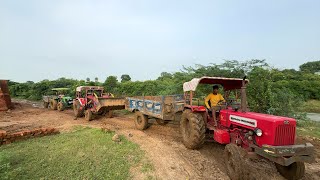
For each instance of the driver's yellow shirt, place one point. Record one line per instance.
(214, 99)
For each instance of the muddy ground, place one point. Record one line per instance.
(162, 144)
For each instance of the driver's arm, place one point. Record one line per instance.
(206, 101)
(222, 99)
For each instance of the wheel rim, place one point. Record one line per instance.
(139, 120)
(187, 128)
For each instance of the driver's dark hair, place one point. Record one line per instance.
(215, 87)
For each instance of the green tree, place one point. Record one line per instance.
(125, 78)
(111, 84)
(165, 75)
(311, 67)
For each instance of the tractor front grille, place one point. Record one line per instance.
(285, 135)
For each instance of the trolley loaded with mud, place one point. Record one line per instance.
(246, 134)
(92, 100)
(59, 101)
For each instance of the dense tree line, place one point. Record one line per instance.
(270, 90)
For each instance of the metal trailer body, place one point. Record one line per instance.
(109, 104)
(47, 98)
(161, 107)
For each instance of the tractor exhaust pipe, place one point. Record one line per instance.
(244, 107)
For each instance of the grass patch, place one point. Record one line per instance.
(83, 154)
(308, 128)
(311, 106)
(147, 167)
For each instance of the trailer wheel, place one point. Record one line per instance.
(76, 109)
(45, 104)
(294, 171)
(141, 120)
(234, 162)
(60, 106)
(109, 114)
(53, 104)
(88, 115)
(193, 129)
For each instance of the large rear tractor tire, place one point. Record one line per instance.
(88, 115)
(45, 104)
(192, 129)
(53, 104)
(60, 106)
(76, 109)
(234, 159)
(294, 171)
(141, 121)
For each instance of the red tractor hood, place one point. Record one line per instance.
(265, 117)
(277, 130)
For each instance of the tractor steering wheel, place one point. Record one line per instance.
(230, 101)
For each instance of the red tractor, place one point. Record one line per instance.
(92, 100)
(231, 123)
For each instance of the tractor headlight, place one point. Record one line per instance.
(258, 132)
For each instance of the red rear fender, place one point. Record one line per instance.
(197, 108)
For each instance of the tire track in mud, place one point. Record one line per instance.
(171, 159)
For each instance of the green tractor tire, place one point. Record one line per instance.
(60, 106)
(53, 104)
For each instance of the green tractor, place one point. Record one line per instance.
(58, 101)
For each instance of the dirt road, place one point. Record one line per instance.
(162, 145)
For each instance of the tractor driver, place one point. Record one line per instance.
(212, 101)
(214, 98)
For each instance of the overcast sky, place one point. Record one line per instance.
(42, 39)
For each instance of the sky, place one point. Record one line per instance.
(42, 39)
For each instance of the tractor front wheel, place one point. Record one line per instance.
(76, 109)
(294, 171)
(53, 104)
(141, 121)
(60, 106)
(88, 115)
(234, 159)
(192, 129)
